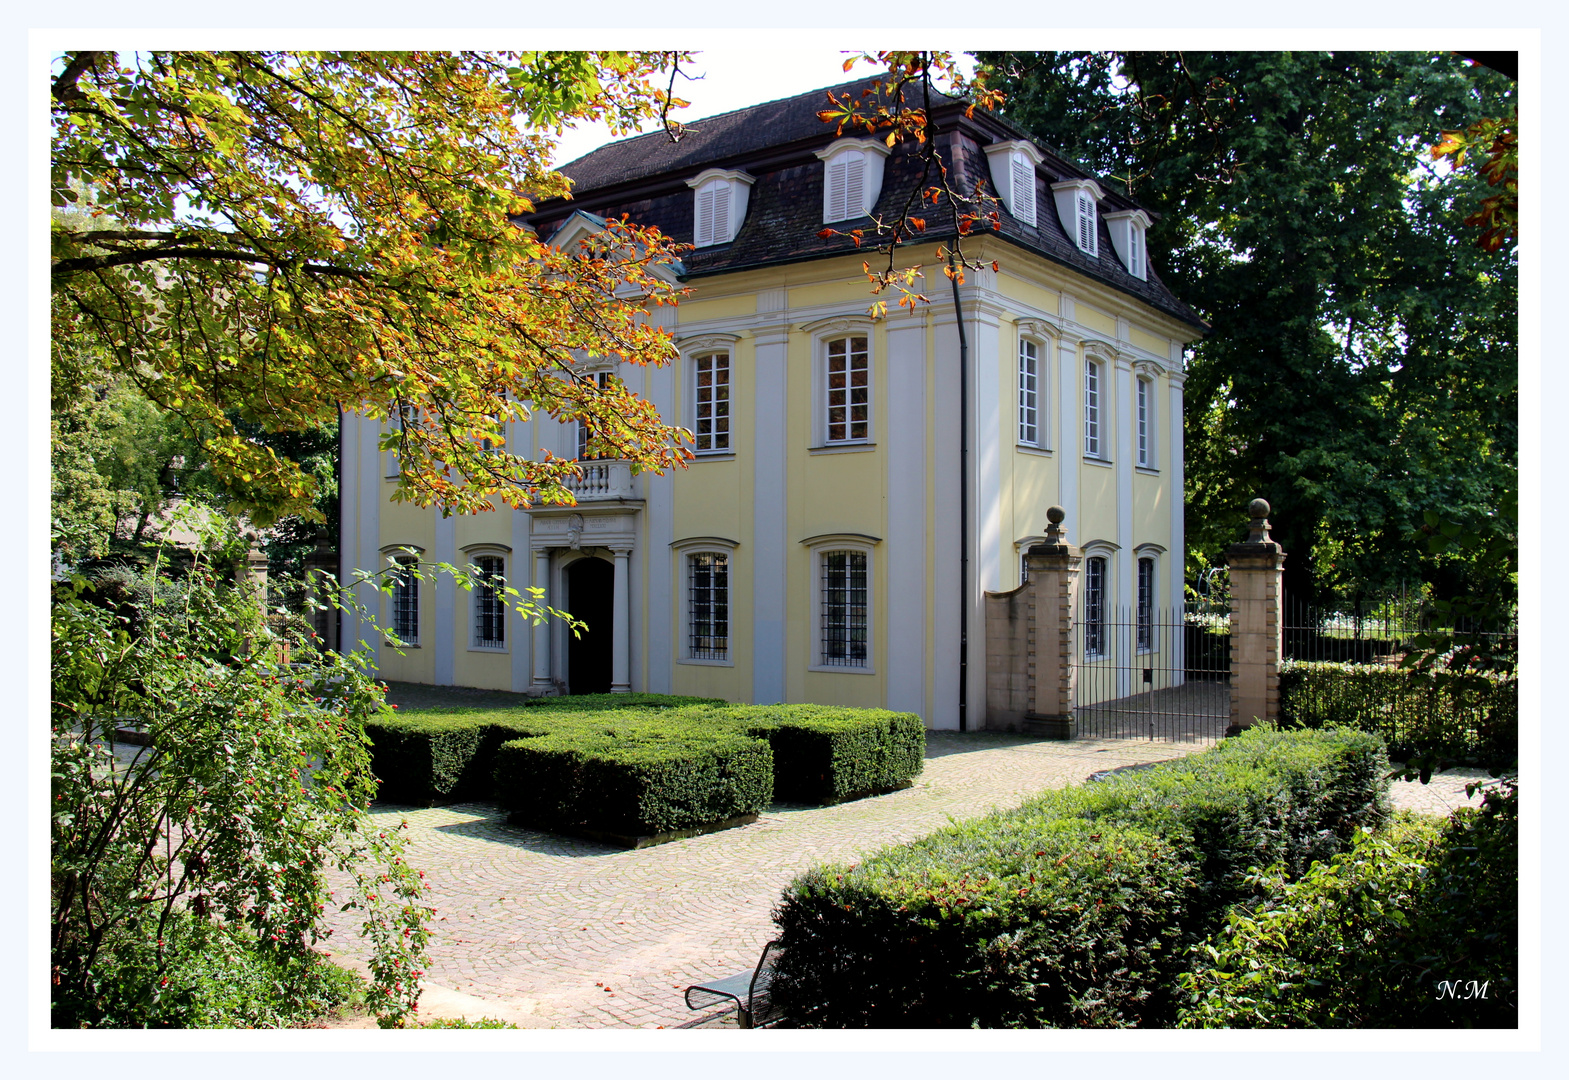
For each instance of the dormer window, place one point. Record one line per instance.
(720, 205)
(852, 177)
(1013, 175)
(1078, 201)
(1127, 236)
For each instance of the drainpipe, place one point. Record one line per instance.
(964, 503)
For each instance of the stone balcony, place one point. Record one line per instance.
(603, 481)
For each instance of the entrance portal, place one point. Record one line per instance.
(590, 588)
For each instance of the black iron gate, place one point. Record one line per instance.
(1148, 673)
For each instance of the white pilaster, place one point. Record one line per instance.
(770, 393)
(519, 630)
(447, 632)
(945, 571)
(1070, 426)
(368, 557)
(1121, 419)
(904, 550)
(541, 683)
(621, 617)
(1178, 556)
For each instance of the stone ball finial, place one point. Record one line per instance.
(1257, 508)
(1055, 514)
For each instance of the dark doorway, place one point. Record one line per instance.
(590, 583)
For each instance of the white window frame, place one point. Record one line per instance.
(1144, 421)
(1094, 408)
(725, 193)
(825, 396)
(683, 551)
(821, 548)
(712, 355)
(473, 553)
(1034, 432)
(404, 555)
(1094, 637)
(1144, 638)
(846, 160)
(601, 377)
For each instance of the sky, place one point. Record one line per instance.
(726, 79)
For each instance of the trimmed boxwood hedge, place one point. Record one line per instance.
(821, 754)
(633, 775)
(824, 754)
(444, 755)
(1075, 908)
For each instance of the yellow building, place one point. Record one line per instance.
(815, 550)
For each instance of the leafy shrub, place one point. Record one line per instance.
(203, 974)
(824, 754)
(953, 930)
(1414, 713)
(483, 1023)
(601, 702)
(633, 776)
(209, 846)
(1412, 927)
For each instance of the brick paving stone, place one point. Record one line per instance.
(536, 926)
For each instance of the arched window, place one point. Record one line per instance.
(1094, 621)
(708, 605)
(1030, 386)
(1146, 604)
(490, 605)
(1092, 409)
(847, 390)
(405, 599)
(1145, 421)
(711, 402)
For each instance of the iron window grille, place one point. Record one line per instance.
(713, 402)
(1146, 612)
(1092, 408)
(1095, 607)
(849, 390)
(405, 600)
(844, 609)
(1029, 393)
(490, 607)
(708, 615)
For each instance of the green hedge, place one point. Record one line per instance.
(824, 754)
(632, 775)
(1477, 715)
(1073, 909)
(428, 756)
(1413, 928)
(821, 754)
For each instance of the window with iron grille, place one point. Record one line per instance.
(844, 609)
(1024, 567)
(1146, 612)
(849, 391)
(1095, 606)
(708, 606)
(1029, 393)
(1146, 458)
(490, 607)
(1092, 408)
(711, 377)
(405, 600)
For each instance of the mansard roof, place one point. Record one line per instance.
(645, 177)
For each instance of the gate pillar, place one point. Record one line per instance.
(1255, 622)
(1054, 571)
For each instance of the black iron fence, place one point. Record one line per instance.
(1152, 673)
(1354, 666)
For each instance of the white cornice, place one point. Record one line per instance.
(839, 146)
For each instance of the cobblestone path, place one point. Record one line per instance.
(554, 932)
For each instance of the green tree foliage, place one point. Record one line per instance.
(190, 866)
(254, 240)
(1361, 370)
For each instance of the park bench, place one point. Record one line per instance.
(750, 991)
